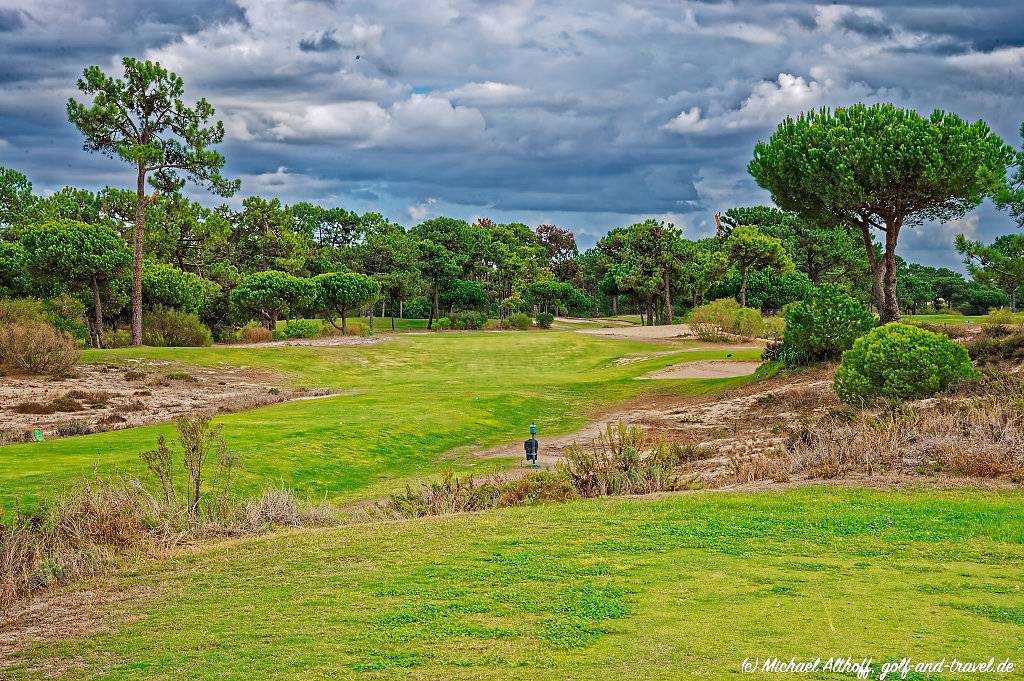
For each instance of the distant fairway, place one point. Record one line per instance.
(404, 402)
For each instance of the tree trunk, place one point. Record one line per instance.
(650, 314)
(371, 318)
(891, 310)
(140, 227)
(401, 309)
(743, 288)
(877, 275)
(97, 306)
(1013, 299)
(615, 305)
(433, 310)
(668, 299)
(272, 323)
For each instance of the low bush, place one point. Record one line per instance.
(302, 328)
(825, 324)
(537, 488)
(256, 334)
(989, 348)
(545, 319)
(520, 321)
(774, 328)
(166, 327)
(623, 461)
(121, 338)
(444, 323)
(1003, 317)
(724, 319)
(35, 347)
(21, 311)
(465, 321)
(748, 323)
(900, 362)
(711, 322)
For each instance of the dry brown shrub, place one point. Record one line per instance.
(771, 465)
(837, 446)
(256, 334)
(37, 348)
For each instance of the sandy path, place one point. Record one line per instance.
(644, 332)
(712, 368)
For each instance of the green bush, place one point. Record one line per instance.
(900, 362)
(825, 324)
(774, 327)
(443, 323)
(121, 338)
(520, 321)
(748, 323)
(724, 318)
(166, 327)
(545, 319)
(1003, 317)
(302, 328)
(465, 321)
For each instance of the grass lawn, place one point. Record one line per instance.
(676, 587)
(944, 318)
(405, 402)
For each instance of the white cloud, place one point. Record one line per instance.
(1008, 60)
(418, 212)
(487, 93)
(358, 121)
(771, 101)
(687, 121)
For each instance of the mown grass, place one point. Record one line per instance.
(676, 587)
(953, 319)
(404, 403)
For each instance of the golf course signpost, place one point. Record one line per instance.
(531, 446)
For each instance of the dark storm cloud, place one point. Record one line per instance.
(590, 113)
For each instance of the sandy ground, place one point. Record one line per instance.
(645, 332)
(712, 368)
(742, 422)
(106, 397)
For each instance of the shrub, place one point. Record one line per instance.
(165, 327)
(443, 323)
(356, 328)
(20, 311)
(467, 320)
(67, 314)
(538, 488)
(1003, 317)
(774, 327)
(37, 348)
(545, 319)
(302, 328)
(520, 321)
(622, 461)
(120, 338)
(256, 334)
(748, 323)
(825, 324)
(723, 318)
(900, 362)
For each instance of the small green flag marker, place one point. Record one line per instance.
(38, 435)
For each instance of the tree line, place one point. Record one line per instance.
(845, 182)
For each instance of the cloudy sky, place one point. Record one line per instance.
(585, 114)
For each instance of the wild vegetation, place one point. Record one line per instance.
(155, 287)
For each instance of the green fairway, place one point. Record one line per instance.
(944, 318)
(678, 587)
(403, 403)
